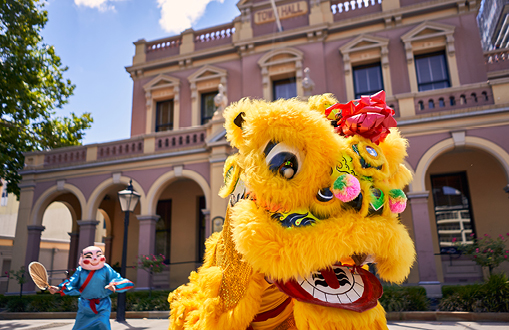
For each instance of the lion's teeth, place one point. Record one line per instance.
(351, 289)
(333, 299)
(319, 295)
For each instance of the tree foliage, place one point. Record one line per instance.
(32, 86)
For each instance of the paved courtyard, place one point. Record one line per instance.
(142, 324)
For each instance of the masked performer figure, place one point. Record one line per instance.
(94, 280)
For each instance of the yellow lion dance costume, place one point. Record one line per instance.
(315, 192)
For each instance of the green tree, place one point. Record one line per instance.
(32, 86)
(20, 277)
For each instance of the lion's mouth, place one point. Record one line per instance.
(347, 287)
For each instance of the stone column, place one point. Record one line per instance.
(73, 250)
(19, 251)
(146, 245)
(107, 247)
(87, 233)
(424, 243)
(33, 248)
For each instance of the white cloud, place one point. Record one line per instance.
(101, 5)
(178, 15)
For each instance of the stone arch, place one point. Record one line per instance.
(441, 147)
(99, 192)
(167, 178)
(48, 197)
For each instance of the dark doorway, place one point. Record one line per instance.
(163, 230)
(453, 210)
(201, 229)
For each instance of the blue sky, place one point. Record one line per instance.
(94, 38)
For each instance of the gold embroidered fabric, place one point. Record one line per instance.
(288, 324)
(236, 273)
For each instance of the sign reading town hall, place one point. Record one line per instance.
(284, 11)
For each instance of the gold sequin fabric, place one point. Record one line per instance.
(236, 273)
(288, 324)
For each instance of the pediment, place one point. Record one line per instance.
(428, 30)
(161, 81)
(363, 42)
(279, 56)
(207, 72)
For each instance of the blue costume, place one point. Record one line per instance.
(94, 306)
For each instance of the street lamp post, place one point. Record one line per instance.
(128, 199)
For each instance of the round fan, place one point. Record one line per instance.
(39, 275)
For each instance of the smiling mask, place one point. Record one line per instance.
(92, 258)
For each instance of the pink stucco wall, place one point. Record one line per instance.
(418, 145)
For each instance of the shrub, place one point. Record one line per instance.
(486, 251)
(17, 304)
(409, 298)
(491, 296)
(41, 303)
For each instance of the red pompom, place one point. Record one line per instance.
(369, 117)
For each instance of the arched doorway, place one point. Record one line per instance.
(109, 232)
(466, 200)
(58, 221)
(180, 231)
(59, 239)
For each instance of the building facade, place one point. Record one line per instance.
(450, 97)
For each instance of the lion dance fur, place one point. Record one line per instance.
(315, 191)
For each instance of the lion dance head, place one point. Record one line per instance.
(315, 191)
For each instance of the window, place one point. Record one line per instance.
(163, 229)
(452, 209)
(207, 106)
(281, 73)
(164, 116)
(367, 79)
(284, 88)
(431, 71)
(5, 196)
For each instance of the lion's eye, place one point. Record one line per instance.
(282, 159)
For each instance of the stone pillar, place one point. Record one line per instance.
(33, 248)
(424, 243)
(87, 233)
(140, 55)
(19, 251)
(146, 245)
(107, 247)
(73, 250)
(187, 45)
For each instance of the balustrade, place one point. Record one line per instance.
(352, 8)
(163, 48)
(181, 139)
(466, 98)
(215, 36)
(497, 60)
(65, 156)
(120, 149)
